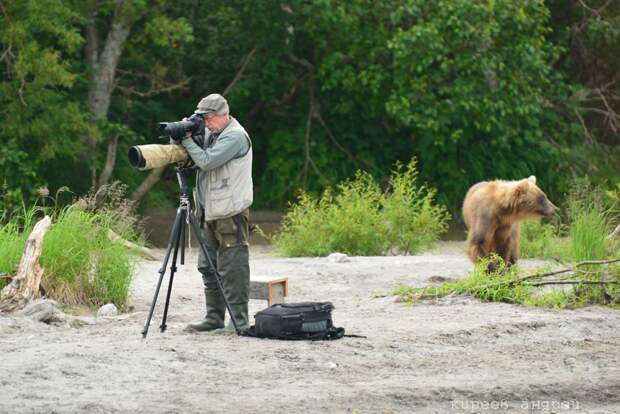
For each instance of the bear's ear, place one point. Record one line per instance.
(532, 179)
(520, 189)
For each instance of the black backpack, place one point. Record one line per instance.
(305, 320)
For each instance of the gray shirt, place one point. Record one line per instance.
(216, 152)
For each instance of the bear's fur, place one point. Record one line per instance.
(492, 211)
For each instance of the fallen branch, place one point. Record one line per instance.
(575, 282)
(432, 292)
(553, 273)
(25, 285)
(614, 234)
(141, 250)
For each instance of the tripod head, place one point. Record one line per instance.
(182, 174)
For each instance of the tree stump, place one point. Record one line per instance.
(24, 286)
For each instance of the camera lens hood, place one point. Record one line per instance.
(135, 157)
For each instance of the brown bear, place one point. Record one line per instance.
(492, 211)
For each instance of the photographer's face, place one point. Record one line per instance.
(215, 123)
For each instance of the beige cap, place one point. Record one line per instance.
(215, 103)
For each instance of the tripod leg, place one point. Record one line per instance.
(173, 266)
(162, 270)
(218, 277)
(183, 228)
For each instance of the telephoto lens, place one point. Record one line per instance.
(146, 157)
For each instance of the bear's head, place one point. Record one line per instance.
(525, 200)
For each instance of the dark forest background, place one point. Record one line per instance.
(474, 89)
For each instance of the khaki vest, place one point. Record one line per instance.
(228, 189)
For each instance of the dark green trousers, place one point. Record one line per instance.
(227, 244)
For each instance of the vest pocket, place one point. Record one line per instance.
(221, 202)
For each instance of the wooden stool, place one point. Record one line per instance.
(271, 289)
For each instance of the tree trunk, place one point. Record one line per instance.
(109, 162)
(105, 70)
(146, 185)
(103, 66)
(24, 287)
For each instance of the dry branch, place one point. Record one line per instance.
(574, 282)
(536, 279)
(24, 287)
(141, 250)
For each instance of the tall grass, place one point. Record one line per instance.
(588, 234)
(358, 219)
(82, 265)
(537, 239)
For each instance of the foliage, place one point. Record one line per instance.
(348, 221)
(82, 265)
(537, 239)
(580, 233)
(41, 120)
(475, 91)
(358, 219)
(511, 286)
(412, 220)
(588, 220)
(467, 85)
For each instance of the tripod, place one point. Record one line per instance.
(183, 217)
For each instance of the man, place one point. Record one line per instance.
(224, 195)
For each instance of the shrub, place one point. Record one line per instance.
(358, 219)
(412, 221)
(536, 239)
(348, 221)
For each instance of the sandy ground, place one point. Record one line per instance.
(450, 355)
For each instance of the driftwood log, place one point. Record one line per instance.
(140, 250)
(24, 286)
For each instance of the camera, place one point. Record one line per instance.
(177, 130)
(145, 157)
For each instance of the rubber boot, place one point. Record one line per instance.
(214, 319)
(240, 312)
(235, 270)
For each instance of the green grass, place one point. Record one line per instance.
(537, 239)
(588, 232)
(82, 266)
(358, 219)
(510, 285)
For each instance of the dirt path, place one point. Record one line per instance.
(452, 355)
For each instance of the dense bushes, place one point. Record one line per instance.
(475, 90)
(359, 219)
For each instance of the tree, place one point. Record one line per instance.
(41, 120)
